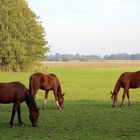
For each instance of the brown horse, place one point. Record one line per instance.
(46, 82)
(127, 80)
(16, 93)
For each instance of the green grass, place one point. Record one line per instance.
(87, 114)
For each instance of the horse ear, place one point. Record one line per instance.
(111, 93)
(63, 94)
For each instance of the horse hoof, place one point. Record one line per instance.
(21, 125)
(120, 109)
(34, 125)
(12, 126)
(58, 107)
(44, 108)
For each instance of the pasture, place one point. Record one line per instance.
(87, 113)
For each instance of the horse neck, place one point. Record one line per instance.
(117, 87)
(59, 92)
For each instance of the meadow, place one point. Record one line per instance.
(87, 113)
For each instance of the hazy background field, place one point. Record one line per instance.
(87, 113)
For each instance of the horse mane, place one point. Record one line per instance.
(31, 101)
(59, 90)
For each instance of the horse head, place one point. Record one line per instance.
(34, 114)
(61, 100)
(114, 98)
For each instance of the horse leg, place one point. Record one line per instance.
(123, 97)
(56, 99)
(19, 116)
(34, 93)
(128, 98)
(45, 99)
(15, 107)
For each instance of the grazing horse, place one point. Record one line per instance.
(127, 80)
(16, 93)
(46, 82)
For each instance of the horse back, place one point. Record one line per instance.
(130, 79)
(36, 81)
(51, 82)
(12, 92)
(43, 81)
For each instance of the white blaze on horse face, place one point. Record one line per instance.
(58, 105)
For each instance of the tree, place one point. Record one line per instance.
(22, 38)
(58, 57)
(65, 57)
(135, 56)
(83, 58)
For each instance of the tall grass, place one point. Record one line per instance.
(36, 67)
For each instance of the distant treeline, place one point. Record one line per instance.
(69, 57)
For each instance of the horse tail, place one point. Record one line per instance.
(31, 85)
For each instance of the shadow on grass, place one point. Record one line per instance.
(90, 119)
(80, 119)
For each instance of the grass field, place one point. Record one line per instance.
(87, 114)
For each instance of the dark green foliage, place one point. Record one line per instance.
(22, 38)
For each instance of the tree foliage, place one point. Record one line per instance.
(22, 38)
(69, 57)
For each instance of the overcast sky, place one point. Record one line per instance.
(90, 26)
